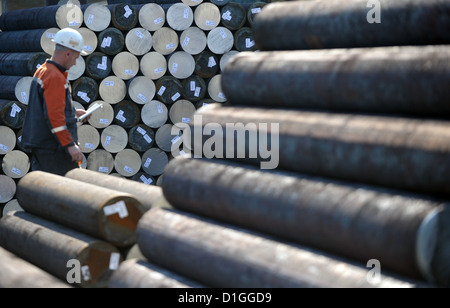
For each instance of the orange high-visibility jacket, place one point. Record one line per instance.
(50, 121)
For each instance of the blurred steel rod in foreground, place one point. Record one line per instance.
(51, 246)
(16, 272)
(227, 257)
(135, 273)
(350, 220)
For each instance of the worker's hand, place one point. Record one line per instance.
(75, 153)
(80, 112)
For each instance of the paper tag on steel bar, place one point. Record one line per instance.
(117, 208)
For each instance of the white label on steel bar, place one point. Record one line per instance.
(24, 96)
(83, 96)
(129, 72)
(108, 140)
(102, 67)
(162, 90)
(128, 12)
(117, 208)
(90, 19)
(223, 34)
(249, 43)
(148, 139)
(256, 10)
(186, 13)
(186, 41)
(106, 42)
(86, 273)
(88, 145)
(128, 169)
(74, 23)
(158, 20)
(104, 121)
(139, 34)
(14, 110)
(227, 15)
(175, 67)
(221, 95)
(120, 116)
(192, 85)
(141, 131)
(147, 162)
(159, 70)
(88, 48)
(103, 169)
(145, 180)
(114, 261)
(170, 46)
(210, 23)
(109, 83)
(211, 62)
(197, 91)
(176, 96)
(4, 147)
(186, 120)
(16, 171)
(50, 35)
(160, 108)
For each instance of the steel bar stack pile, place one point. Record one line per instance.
(69, 230)
(353, 114)
(151, 63)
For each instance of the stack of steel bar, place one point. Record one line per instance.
(71, 230)
(353, 114)
(151, 63)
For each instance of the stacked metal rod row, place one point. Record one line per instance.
(355, 186)
(151, 63)
(357, 127)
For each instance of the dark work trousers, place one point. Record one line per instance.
(58, 162)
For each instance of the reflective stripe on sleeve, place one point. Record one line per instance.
(59, 129)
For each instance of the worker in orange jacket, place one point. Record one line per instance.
(50, 126)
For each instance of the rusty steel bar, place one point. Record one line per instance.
(224, 256)
(100, 212)
(15, 272)
(148, 195)
(355, 221)
(403, 153)
(51, 246)
(347, 24)
(405, 80)
(135, 273)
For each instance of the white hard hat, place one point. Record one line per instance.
(71, 39)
